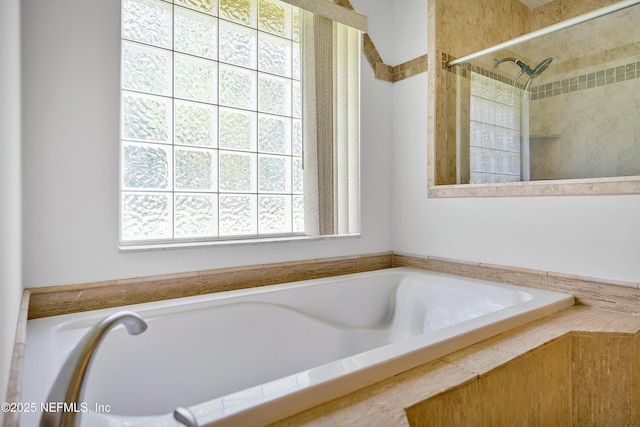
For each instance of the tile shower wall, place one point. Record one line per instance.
(594, 74)
(458, 28)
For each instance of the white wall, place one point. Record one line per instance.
(10, 262)
(597, 236)
(70, 152)
(71, 109)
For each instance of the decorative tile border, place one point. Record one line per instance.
(466, 68)
(383, 71)
(393, 73)
(590, 80)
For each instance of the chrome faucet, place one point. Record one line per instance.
(67, 387)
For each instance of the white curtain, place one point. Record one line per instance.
(331, 60)
(347, 127)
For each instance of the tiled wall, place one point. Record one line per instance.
(594, 74)
(533, 389)
(560, 10)
(566, 146)
(578, 379)
(456, 29)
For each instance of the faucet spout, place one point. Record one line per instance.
(68, 386)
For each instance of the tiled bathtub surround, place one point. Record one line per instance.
(623, 297)
(50, 301)
(587, 81)
(600, 332)
(577, 379)
(578, 367)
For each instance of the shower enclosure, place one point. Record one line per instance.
(562, 102)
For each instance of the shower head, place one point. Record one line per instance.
(540, 67)
(532, 73)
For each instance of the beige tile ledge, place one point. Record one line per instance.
(48, 301)
(612, 295)
(14, 389)
(55, 300)
(384, 403)
(401, 258)
(583, 187)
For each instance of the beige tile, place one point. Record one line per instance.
(382, 404)
(522, 384)
(611, 297)
(635, 381)
(619, 186)
(623, 297)
(50, 301)
(383, 72)
(480, 358)
(23, 315)
(460, 406)
(602, 382)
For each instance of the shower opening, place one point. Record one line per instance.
(558, 105)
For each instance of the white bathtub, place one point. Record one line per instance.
(250, 357)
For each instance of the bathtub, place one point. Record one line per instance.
(250, 357)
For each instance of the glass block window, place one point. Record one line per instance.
(211, 111)
(494, 143)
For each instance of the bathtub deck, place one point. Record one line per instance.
(432, 391)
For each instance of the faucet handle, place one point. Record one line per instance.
(186, 417)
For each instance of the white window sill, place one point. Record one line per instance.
(145, 247)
